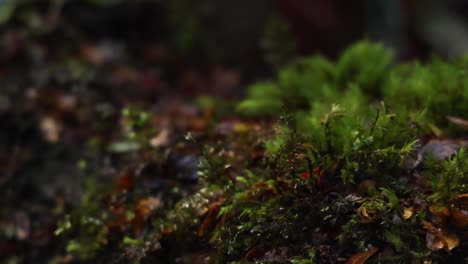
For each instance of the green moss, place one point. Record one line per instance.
(345, 138)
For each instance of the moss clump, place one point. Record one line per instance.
(340, 174)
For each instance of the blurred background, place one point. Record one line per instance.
(67, 68)
(252, 36)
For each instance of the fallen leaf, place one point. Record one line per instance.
(436, 239)
(429, 227)
(162, 139)
(407, 213)
(452, 241)
(147, 205)
(362, 257)
(433, 242)
(439, 210)
(209, 217)
(51, 129)
(458, 121)
(441, 241)
(142, 211)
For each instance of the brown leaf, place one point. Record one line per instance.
(451, 240)
(143, 210)
(407, 213)
(433, 242)
(362, 257)
(439, 210)
(458, 121)
(210, 216)
(146, 205)
(437, 239)
(441, 241)
(162, 139)
(429, 227)
(51, 129)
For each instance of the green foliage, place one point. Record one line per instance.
(449, 178)
(364, 64)
(211, 168)
(84, 226)
(137, 132)
(264, 99)
(422, 94)
(310, 259)
(438, 88)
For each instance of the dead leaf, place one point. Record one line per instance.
(143, 210)
(458, 121)
(362, 257)
(433, 242)
(369, 215)
(209, 217)
(147, 205)
(439, 210)
(436, 239)
(162, 139)
(407, 213)
(429, 227)
(452, 241)
(51, 129)
(441, 241)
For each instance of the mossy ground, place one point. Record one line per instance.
(333, 161)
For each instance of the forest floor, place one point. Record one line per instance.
(115, 150)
